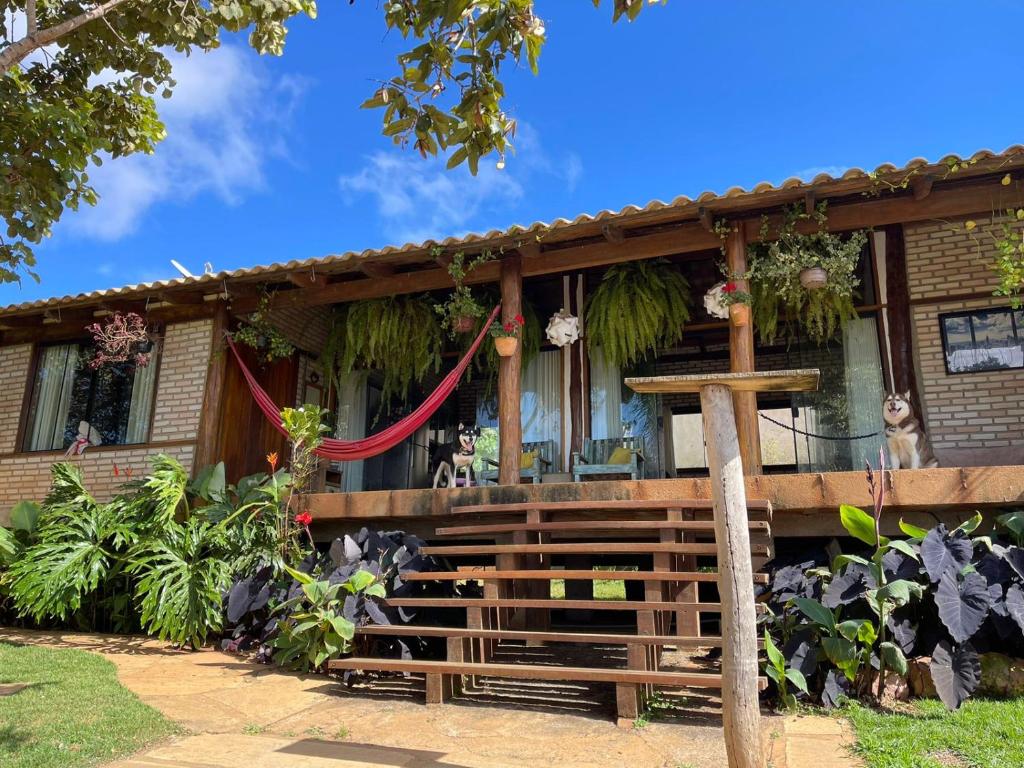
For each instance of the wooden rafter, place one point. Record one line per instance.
(613, 233)
(922, 186)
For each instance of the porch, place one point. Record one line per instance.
(804, 505)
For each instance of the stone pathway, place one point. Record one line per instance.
(256, 716)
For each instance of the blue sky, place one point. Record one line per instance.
(270, 159)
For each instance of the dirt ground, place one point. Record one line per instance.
(238, 713)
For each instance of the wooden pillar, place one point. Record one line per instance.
(741, 714)
(510, 426)
(901, 343)
(741, 360)
(208, 436)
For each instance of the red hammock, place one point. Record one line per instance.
(386, 439)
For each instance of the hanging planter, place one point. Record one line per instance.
(506, 337)
(461, 310)
(506, 345)
(121, 338)
(813, 278)
(739, 314)
(463, 323)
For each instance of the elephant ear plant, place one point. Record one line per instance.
(848, 621)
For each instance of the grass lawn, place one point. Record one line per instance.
(603, 590)
(982, 734)
(74, 712)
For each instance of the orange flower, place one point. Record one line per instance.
(272, 461)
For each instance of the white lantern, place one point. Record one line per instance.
(713, 302)
(563, 328)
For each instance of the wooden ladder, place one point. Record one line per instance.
(516, 603)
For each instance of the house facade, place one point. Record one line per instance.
(927, 322)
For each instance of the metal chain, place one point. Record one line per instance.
(812, 434)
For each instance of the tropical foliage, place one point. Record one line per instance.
(462, 305)
(774, 270)
(446, 94)
(638, 307)
(262, 335)
(400, 337)
(848, 623)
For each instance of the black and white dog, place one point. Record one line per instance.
(451, 457)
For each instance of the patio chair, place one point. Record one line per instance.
(611, 456)
(535, 461)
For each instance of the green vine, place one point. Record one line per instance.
(461, 303)
(638, 307)
(399, 336)
(262, 336)
(774, 275)
(1009, 263)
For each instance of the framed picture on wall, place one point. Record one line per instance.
(983, 340)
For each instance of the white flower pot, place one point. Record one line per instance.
(813, 278)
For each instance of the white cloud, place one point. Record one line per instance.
(419, 200)
(224, 121)
(807, 174)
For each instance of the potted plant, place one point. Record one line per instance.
(120, 339)
(461, 310)
(263, 336)
(506, 337)
(805, 279)
(738, 303)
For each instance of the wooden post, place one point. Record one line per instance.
(741, 714)
(208, 436)
(510, 426)
(901, 344)
(741, 360)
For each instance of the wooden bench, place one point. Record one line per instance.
(595, 458)
(543, 451)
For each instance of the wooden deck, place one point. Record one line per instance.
(804, 505)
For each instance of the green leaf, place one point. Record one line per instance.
(345, 628)
(299, 576)
(899, 591)
(376, 590)
(816, 612)
(775, 656)
(360, 580)
(901, 546)
(24, 516)
(796, 677)
(969, 526)
(851, 628)
(842, 560)
(894, 658)
(859, 524)
(839, 650)
(912, 531)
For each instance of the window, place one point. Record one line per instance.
(780, 446)
(116, 400)
(983, 340)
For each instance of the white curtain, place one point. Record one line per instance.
(864, 388)
(352, 425)
(52, 398)
(542, 401)
(141, 408)
(605, 399)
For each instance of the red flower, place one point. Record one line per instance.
(116, 473)
(304, 518)
(509, 327)
(730, 288)
(520, 320)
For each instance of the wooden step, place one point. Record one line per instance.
(552, 604)
(701, 526)
(409, 630)
(588, 548)
(584, 575)
(535, 672)
(631, 505)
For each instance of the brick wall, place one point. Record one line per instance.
(973, 419)
(177, 407)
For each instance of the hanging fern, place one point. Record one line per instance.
(398, 336)
(638, 307)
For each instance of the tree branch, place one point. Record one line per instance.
(37, 39)
(32, 26)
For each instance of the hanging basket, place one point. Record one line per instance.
(739, 314)
(463, 324)
(506, 345)
(813, 278)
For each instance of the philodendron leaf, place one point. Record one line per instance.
(912, 531)
(860, 524)
(800, 653)
(942, 550)
(1015, 604)
(956, 672)
(962, 603)
(24, 515)
(894, 658)
(1014, 557)
(837, 689)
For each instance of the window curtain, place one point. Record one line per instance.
(541, 402)
(864, 389)
(52, 397)
(352, 425)
(605, 399)
(141, 409)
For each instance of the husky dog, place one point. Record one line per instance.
(908, 444)
(451, 457)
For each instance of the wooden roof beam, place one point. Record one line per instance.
(706, 218)
(810, 203)
(310, 279)
(613, 233)
(922, 186)
(21, 321)
(377, 270)
(182, 298)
